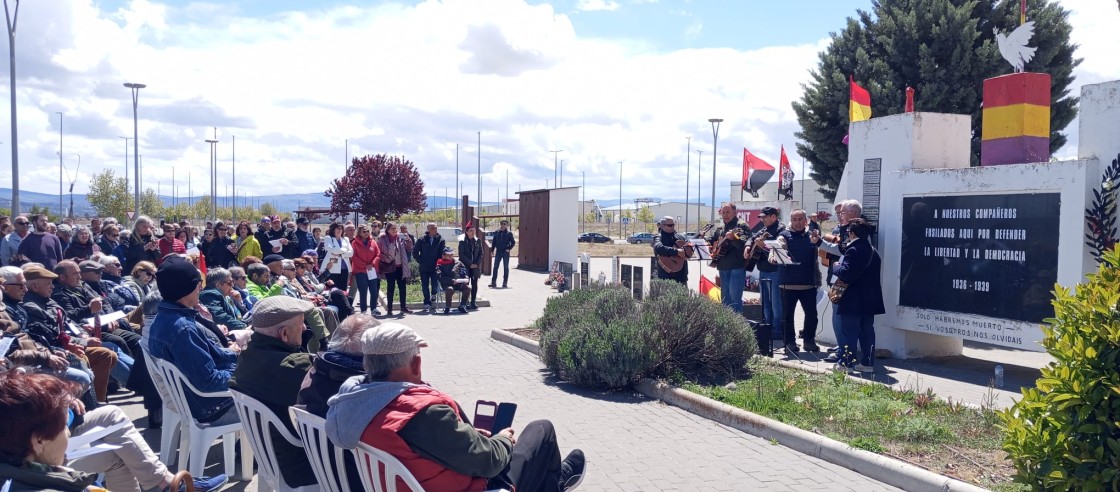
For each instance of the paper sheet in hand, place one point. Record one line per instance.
(700, 246)
(5, 345)
(92, 450)
(275, 243)
(371, 274)
(106, 318)
(91, 435)
(193, 251)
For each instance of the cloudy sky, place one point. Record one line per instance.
(604, 80)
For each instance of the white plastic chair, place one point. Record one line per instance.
(378, 468)
(172, 430)
(201, 436)
(327, 460)
(257, 422)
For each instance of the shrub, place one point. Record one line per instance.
(602, 337)
(1064, 434)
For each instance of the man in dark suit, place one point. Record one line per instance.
(860, 269)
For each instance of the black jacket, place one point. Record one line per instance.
(773, 231)
(665, 244)
(288, 251)
(503, 242)
(803, 252)
(134, 252)
(331, 368)
(427, 251)
(732, 249)
(75, 302)
(470, 253)
(450, 271)
(217, 252)
(861, 269)
(43, 320)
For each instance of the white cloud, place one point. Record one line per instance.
(411, 80)
(596, 5)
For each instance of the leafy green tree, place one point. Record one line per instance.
(150, 204)
(268, 209)
(109, 195)
(944, 49)
(35, 209)
(645, 216)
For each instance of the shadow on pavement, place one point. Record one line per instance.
(613, 396)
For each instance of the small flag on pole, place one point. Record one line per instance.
(859, 107)
(909, 99)
(756, 172)
(709, 289)
(1022, 12)
(785, 177)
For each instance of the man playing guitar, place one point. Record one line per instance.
(672, 251)
(729, 241)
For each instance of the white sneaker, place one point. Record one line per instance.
(863, 368)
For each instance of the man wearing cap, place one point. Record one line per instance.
(392, 409)
(271, 370)
(453, 275)
(176, 336)
(304, 239)
(769, 277)
(287, 239)
(275, 264)
(428, 250)
(46, 323)
(665, 244)
(262, 234)
(503, 243)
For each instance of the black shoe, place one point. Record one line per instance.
(473, 307)
(447, 310)
(492, 286)
(505, 286)
(388, 311)
(405, 310)
(462, 309)
(791, 348)
(428, 308)
(832, 358)
(811, 347)
(572, 470)
(155, 418)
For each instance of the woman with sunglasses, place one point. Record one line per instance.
(140, 282)
(218, 248)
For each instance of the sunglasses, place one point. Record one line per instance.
(22, 223)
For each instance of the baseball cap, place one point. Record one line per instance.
(390, 338)
(769, 211)
(301, 220)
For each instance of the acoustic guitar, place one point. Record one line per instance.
(674, 264)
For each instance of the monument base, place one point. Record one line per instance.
(902, 344)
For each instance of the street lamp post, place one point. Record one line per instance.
(699, 156)
(233, 209)
(458, 189)
(478, 199)
(715, 146)
(10, 18)
(135, 146)
(76, 168)
(561, 183)
(126, 139)
(555, 165)
(213, 181)
(620, 200)
(687, 180)
(583, 203)
(60, 209)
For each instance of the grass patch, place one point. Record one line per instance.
(949, 439)
(413, 291)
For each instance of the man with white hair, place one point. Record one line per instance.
(341, 361)
(392, 409)
(665, 246)
(271, 370)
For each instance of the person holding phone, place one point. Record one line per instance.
(392, 409)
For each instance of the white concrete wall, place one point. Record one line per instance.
(1099, 122)
(809, 200)
(927, 154)
(563, 225)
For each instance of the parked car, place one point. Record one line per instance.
(640, 238)
(592, 237)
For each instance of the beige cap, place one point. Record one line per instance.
(274, 310)
(390, 338)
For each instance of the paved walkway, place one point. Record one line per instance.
(632, 443)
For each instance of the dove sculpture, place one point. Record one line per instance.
(1013, 47)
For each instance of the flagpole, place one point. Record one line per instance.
(803, 183)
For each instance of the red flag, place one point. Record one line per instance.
(909, 99)
(785, 177)
(756, 172)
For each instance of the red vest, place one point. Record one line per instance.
(381, 433)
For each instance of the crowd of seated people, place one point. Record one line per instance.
(259, 311)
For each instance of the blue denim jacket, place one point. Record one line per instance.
(175, 337)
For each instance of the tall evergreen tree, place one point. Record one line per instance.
(944, 49)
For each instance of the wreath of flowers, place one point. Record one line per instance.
(1101, 217)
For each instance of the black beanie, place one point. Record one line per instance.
(177, 278)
